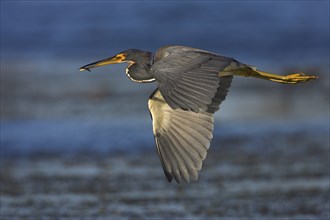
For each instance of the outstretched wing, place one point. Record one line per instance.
(220, 95)
(182, 138)
(188, 78)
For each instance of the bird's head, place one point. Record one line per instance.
(130, 56)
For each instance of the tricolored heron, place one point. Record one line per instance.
(191, 83)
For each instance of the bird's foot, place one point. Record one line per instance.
(293, 78)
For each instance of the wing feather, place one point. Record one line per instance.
(175, 161)
(164, 157)
(179, 140)
(184, 162)
(190, 89)
(182, 138)
(179, 69)
(220, 95)
(201, 134)
(194, 144)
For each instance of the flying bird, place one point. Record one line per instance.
(191, 85)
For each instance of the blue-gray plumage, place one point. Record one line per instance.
(191, 83)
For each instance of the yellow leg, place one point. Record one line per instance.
(289, 79)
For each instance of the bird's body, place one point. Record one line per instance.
(191, 84)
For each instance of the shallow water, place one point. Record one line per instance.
(280, 176)
(67, 137)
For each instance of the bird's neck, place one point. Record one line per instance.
(140, 72)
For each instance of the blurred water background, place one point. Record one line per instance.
(46, 103)
(50, 108)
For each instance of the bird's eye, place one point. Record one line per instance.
(121, 56)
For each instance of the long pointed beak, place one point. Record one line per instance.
(112, 60)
